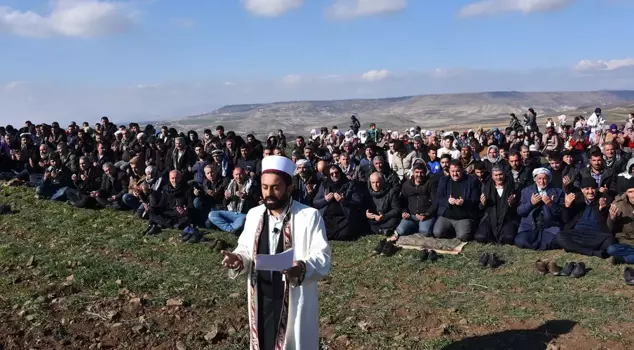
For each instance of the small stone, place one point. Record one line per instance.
(135, 301)
(31, 261)
(399, 337)
(70, 278)
(113, 315)
(30, 317)
(463, 321)
(180, 345)
(174, 302)
(212, 334)
(117, 282)
(234, 295)
(452, 310)
(138, 329)
(365, 326)
(116, 325)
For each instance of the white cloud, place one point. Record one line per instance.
(70, 18)
(14, 85)
(586, 65)
(375, 75)
(493, 7)
(230, 83)
(345, 9)
(271, 8)
(292, 79)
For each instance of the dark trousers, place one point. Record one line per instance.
(538, 240)
(586, 243)
(388, 225)
(506, 235)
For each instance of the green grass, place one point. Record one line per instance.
(367, 302)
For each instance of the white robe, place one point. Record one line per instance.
(310, 245)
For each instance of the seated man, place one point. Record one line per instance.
(57, 177)
(621, 222)
(585, 217)
(136, 176)
(419, 214)
(169, 208)
(458, 198)
(339, 203)
(110, 193)
(238, 200)
(208, 196)
(540, 209)
(305, 183)
(87, 179)
(384, 207)
(499, 201)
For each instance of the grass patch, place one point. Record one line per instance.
(71, 278)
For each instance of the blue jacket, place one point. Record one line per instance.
(470, 194)
(552, 214)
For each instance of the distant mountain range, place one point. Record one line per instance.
(428, 111)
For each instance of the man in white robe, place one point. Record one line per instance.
(283, 307)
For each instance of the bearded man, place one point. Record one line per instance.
(283, 305)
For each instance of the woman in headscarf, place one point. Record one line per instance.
(339, 203)
(493, 157)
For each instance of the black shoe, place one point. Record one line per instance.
(484, 259)
(155, 230)
(195, 238)
(618, 260)
(379, 247)
(424, 254)
(494, 262)
(220, 245)
(628, 275)
(147, 229)
(579, 271)
(568, 268)
(433, 256)
(5, 209)
(389, 249)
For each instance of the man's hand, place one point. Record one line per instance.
(94, 194)
(614, 212)
(458, 202)
(569, 199)
(240, 194)
(231, 260)
(369, 215)
(405, 216)
(297, 271)
(566, 180)
(329, 197)
(452, 201)
(74, 177)
(603, 202)
(379, 218)
(420, 217)
(95, 164)
(211, 193)
(227, 195)
(536, 198)
(483, 199)
(547, 200)
(603, 189)
(181, 209)
(83, 177)
(310, 188)
(196, 192)
(113, 198)
(338, 197)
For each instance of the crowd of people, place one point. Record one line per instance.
(570, 187)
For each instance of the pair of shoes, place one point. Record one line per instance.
(574, 270)
(490, 260)
(389, 249)
(152, 229)
(217, 244)
(430, 255)
(618, 260)
(188, 232)
(544, 267)
(379, 247)
(628, 276)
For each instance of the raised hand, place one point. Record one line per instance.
(614, 211)
(231, 260)
(569, 199)
(536, 198)
(483, 199)
(602, 203)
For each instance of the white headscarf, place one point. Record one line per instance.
(539, 171)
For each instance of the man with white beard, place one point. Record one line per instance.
(283, 306)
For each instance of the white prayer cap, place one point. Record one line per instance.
(118, 132)
(278, 164)
(140, 135)
(533, 148)
(541, 171)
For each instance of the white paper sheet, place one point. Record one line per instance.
(277, 262)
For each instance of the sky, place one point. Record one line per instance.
(160, 59)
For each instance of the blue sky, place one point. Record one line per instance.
(167, 58)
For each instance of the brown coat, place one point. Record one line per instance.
(623, 226)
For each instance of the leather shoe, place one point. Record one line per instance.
(541, 266)
(618, 260)
(424, 254)
(494, 262)
(484, 259)
(579, 271)
(568, 268)
(147, 229)
(433, 256)
(379, 247)
(554, 269)
(155, 230)
(628, 275)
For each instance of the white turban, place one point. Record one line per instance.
(302, 162)
(542, 171)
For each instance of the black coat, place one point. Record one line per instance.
(310, 196)
(386, 203)
(420, 199)
(496, 210)
(570, 216)
(113, 186)
(607, 179)
(92, 182)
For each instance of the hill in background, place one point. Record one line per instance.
(428, 111)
